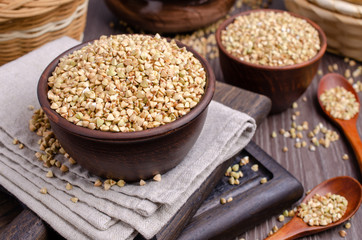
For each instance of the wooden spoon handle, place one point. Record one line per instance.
(353, 137)
(293, 229)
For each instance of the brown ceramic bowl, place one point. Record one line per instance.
(169, 16)
(131, 155)
(284, 84)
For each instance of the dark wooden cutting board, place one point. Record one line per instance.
(202, 216)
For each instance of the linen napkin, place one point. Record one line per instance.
(119, 213)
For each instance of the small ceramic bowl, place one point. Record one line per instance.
(130, 156)
(165, 16)
(284, 84)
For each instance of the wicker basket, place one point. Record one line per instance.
(28, 24)
(344, 33)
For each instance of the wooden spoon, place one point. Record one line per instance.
(345, 186)
(349, 128)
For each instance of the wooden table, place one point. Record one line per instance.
(310, 168)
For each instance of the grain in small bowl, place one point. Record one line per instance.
(127, 106)
(271, 52)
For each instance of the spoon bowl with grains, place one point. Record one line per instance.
(341, 104)
(127, 106)
(329, 204)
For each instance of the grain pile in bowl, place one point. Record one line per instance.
(271, 39)
(126, 83)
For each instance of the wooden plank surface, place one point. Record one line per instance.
(9, 209)
(310, 168)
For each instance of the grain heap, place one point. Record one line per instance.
(323, 210)
(271, 38)
(340, 103)
(126, 83)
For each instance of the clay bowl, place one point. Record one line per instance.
(165, 16)
(284, 84)
(131, 155)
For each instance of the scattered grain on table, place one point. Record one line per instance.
(356, 73)
(44, 190)
(245, 160)
(107, 186)
(274, 134)
(263, 180)
(255, 167)
(121, 183)
(64, 168)
(98, 183)
(49, 174)
(285, 213)
(72, 161)
(352, 63)
(142, 182)
(68, 186)
(157, 178)
(330, 68)
(342, 233)
(291, 213)
(335, 67)
(16, 141)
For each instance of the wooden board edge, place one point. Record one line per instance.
(229, 221)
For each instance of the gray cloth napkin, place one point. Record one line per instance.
(119, 213)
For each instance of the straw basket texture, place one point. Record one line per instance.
(355, 1)
(28, 24)
(343, 31)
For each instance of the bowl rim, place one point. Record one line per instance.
(322, 37)
(168, 128)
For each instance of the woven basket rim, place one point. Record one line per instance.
(322, 11)
(343, 32)
(14, 9)
(22, 35)
(340, 6)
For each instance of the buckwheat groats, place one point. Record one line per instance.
(323, 210)
(271, 38)
(126, 83)
(340, 103)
